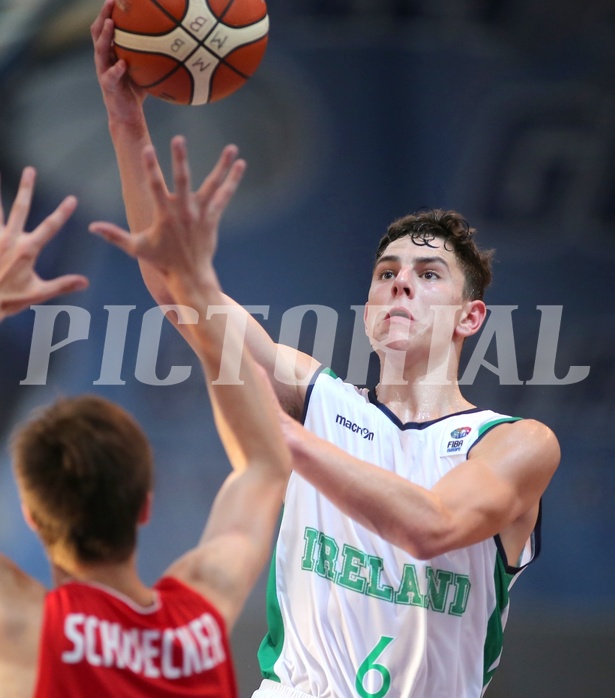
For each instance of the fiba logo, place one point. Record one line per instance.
(460, 433)
(457, 437)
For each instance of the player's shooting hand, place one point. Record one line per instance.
(20, 285)
(182, 239)
(122, 97)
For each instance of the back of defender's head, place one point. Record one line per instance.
(458, 237)
(84, 470)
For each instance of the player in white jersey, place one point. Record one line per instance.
(425, 298)
(395, 583)
(396, 625)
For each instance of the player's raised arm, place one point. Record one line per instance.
(181, 243)
(497, 490)
(22, 596)
(130, 135)
(287, 367)
(128, 128)
(20, 285)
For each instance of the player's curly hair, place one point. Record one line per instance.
(84, 469)
(424, 227)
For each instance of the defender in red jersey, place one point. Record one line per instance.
(83, 468)
(96, 637)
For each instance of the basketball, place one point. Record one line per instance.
(190, 51)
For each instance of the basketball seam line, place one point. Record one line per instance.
(221, 60)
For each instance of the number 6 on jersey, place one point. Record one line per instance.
(370, 665)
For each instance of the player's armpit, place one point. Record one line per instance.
(290, 375)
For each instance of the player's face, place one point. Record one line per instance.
(408, 283)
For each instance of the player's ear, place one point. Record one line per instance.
(28, 517)
(146, 510)
(473, 315)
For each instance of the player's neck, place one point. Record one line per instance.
(422, 402)
(121, 577)
(419, 389)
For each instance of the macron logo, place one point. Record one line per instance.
(355, 428)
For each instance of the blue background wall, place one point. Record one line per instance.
(361, 112)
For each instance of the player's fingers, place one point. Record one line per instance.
(226, 191)
(107, 33)
(97, 31)
(96, 25)
(41, 291)
(21, 206)
(104, 57)
(111, 75)
(59, 286)
(181, 168)
(217, 176)
(116, 236)
(155, 177)
(53, 223)
(105, 13)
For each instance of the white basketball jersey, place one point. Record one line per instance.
(351, 615)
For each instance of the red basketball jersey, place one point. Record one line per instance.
(99, 644)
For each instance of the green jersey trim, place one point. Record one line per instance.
(502, 581)
(494, 423)
(494, 639)
(271, 646)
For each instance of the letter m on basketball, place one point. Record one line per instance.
(200, 64)
(218, 40)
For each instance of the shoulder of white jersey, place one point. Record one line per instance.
(468, 428)
(326, 379)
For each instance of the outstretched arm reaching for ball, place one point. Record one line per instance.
(20, 285)
(129, 132)
(180, 243)
(289, 370)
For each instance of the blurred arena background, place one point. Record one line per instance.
(362, 111)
